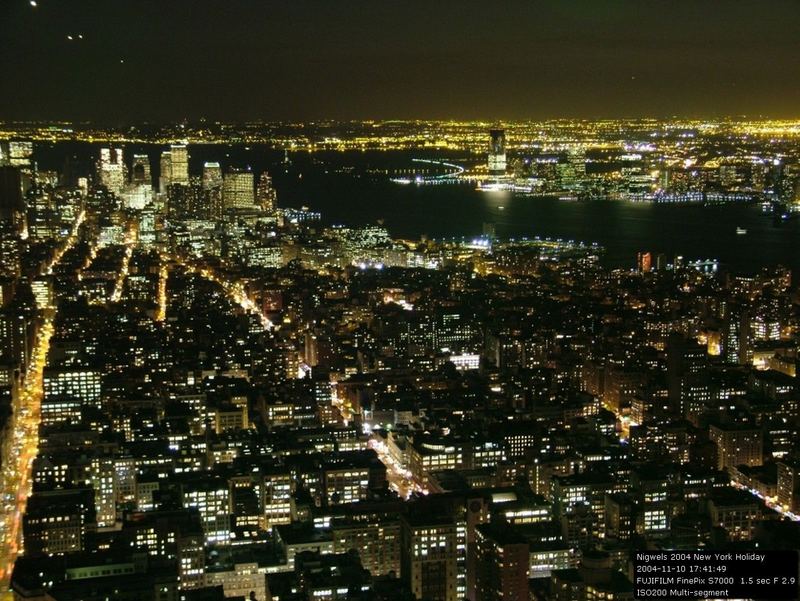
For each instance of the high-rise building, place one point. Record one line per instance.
(215, 206)
(137, 196)
(80, 382)
(266, 196)
(111, 169)
(644, 262)
(620, 517)
(140, 170)
(10, 253)
(789, 485)
(501, 566)
(497, 152)
(165, 179)
(189, 201)
(429, 557)
(211, 497)
(175, 534)
(687, 376)
(376, 540)
(212, 176)
(737, 444)
(237, 189)
(11, 205)
(180, 164)
(58, 521)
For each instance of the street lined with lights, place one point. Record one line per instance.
(131, 236)
(233, 288)
(163, 274)
(15, 481)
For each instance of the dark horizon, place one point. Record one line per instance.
(307, 60)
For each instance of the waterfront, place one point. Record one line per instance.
(344, 187)
(623, 228)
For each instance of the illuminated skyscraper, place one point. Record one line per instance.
(165, 179)
(10, 266)
(266, 196)
(140, 170)
(188, 202)
(497, 152)
(644, 262)
(180, 164)
(137, 196)
(237, 189)
(111, 169)
(212, 176)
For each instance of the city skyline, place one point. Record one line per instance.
(208, 393)
(399, 301)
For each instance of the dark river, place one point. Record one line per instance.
(345, 189)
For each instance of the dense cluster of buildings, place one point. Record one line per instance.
(645, 160)
(206, 396)
(672, 166)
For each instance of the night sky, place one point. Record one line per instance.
(165, 60)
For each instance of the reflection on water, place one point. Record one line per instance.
(338, 185)
(623, 228)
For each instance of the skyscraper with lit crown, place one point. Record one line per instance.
(212, 175)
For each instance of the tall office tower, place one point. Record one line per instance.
(165, 179)
(687, 376)
(11, 205)
(502, 558)
(17, 330)
(429, 556)
(111, 169)
(10, 265)
(738, 337)
(497, 152)
(237, 189)
(180, 164)
(188, 202)
(571, 170)
(215, 206)
(212, 176)
(266, 195)
(140, 170)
